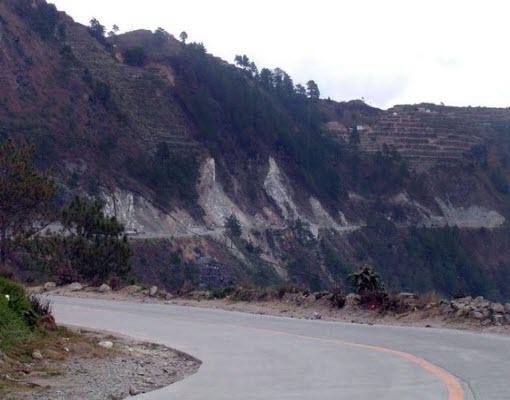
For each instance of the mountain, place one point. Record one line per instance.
(175, 140)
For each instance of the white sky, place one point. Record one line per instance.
(387, 51)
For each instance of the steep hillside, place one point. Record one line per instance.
(175, 140)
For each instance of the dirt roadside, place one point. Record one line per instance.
(93, 366)
(434, 314)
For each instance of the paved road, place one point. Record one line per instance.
(269, 358)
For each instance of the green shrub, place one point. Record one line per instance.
(18, 317)
(17, 302)
(13, 327)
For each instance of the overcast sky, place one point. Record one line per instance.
(387, 52)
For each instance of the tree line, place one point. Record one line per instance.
(277, 79)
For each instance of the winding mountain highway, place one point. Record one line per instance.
(272, 358)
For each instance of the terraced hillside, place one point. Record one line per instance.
(428, 135)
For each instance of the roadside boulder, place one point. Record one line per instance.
(480, 302)
(49, 286)
(462, 303)
(104, 288)
(497, 308)
(476, 315)
(75, 287)
(153, 291)
(486, 312)
(37, 355)
(106, 344)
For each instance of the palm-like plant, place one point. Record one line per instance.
(366, 280)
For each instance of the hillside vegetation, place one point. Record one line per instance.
(173, 141)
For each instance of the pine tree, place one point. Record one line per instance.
(233, 227)
(312, 90)
(24, 197)
(93, 244)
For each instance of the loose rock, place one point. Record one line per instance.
(497, 308)
(153, 291)
(36, 355)
(75, 287)
(132, 391)
(106, 344)
(50, 285)
(476, 315)
(104, 288)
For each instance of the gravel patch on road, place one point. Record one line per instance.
(129, 368)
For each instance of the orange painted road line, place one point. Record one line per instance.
(452, 384)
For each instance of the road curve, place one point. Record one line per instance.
(272, 358)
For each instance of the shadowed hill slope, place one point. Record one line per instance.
(176, 140)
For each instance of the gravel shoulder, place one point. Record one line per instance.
(96, 366)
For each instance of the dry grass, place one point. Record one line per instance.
(56, 347)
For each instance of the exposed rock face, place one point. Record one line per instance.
(142, 218)
(213, 200)
(276, 188)
(470, 217)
